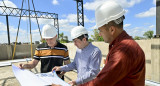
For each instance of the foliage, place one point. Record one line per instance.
(62, 38)
(137, 38)
(43, 41)
(96, 36)
(148, 34)
(90, 40)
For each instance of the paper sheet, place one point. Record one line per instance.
(27, 78)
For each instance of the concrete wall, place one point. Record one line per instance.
(23, 51)
(146, 46)
(155, 60)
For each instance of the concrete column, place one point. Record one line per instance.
(155, 59)
(9, 52)
(5, 52)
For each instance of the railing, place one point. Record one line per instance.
(9, 62)
(151, 83)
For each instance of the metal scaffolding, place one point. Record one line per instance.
(16, 12)
(80, 16)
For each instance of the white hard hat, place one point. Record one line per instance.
(48, 31)
(107, 12)
(78, 31)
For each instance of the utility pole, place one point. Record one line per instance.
(80, 16)
(8, 29)
(157, 19)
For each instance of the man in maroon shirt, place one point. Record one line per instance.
(125, 62)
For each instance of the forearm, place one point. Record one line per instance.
(88, 76)
(68, 67)
(65, 63)
(28, 66)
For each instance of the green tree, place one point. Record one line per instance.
(148, 34)
(137, 38)
(90, 40)
(61, 35)
(43, 41)
(96, 36)
(62, 38)
(66, 39)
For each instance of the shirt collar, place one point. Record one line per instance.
(87, 47)
(119, 38)
(46, 45)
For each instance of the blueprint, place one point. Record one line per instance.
(27, 78)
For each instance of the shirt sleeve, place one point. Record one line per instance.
(69, 67)
(66, 55)
(94, 68)
(115, 69)
(36, 54)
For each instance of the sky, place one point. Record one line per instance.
(140, 17)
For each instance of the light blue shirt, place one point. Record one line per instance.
(86, 62)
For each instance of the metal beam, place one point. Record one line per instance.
(80, 14)
(56, 24)
(25, 13)
(157, 18)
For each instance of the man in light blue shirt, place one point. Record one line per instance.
(87, 59)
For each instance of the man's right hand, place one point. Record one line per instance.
(21, 66)
(56, 68)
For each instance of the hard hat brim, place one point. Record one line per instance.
(47, 37)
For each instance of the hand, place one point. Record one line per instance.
(72, 83)
(56, 85)
(21, 66)
(56, 68)
(60, 75)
